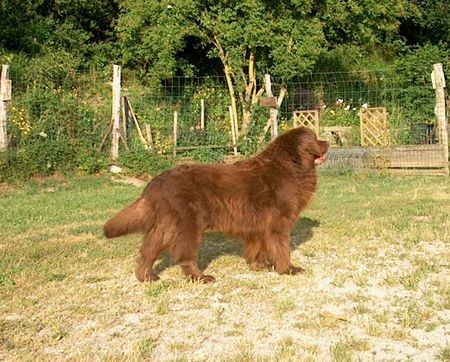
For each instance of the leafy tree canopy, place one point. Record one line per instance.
(283, 36)
(33, 27)
(366, 23)
(430, 23)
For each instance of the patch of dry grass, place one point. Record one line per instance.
(376, 250)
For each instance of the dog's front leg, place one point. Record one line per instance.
(255, 255)
(279, 255)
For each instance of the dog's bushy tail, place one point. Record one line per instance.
(132, 219)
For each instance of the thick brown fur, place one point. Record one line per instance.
(258, 200)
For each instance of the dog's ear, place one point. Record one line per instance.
(308, 143)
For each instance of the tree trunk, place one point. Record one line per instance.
(250, 94)
(229, 78)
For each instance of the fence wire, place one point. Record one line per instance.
(75, 108)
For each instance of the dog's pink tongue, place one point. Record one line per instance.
(320, 160)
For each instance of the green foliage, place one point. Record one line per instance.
(141, 162)
(254, 141)
(45, 27)
(229, 30)
(365, 23)
(340, 116)
(51, 68)
(47, 157)
(155, 105)
(207, 155)
(89, 160)
(60, 114)
(39, 159)
(430, 23)
(411, 79)
(216, 106)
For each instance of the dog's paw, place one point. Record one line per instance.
(295, 270)
(207, 279)
(203, 279)
(146, 276)
(152, 277)
(258, 266)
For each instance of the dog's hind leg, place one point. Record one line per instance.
(150, 251)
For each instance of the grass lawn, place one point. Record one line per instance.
(377, 287)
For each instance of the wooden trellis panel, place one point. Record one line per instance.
(309, 118)
(374, 127)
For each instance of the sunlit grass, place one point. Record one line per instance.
(375, 250)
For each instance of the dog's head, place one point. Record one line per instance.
(312, 146)
(302, 143)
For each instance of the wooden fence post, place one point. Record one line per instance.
(233, 130)
(115, 112)
(273, 111)
(438, 79)
(5, 96)
(148, 131)
(124, 119)
(175, 133)
(202, 114)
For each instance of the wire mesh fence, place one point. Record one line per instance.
(200, 106)
(72, 108)
(73, 111)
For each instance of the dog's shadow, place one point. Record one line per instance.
(216, 245)
(303, 231)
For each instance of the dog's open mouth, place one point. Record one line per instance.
(320, 160)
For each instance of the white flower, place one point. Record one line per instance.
(347, 107)
(339, 101)
(169, 6)
(43, 134)
(365, 105)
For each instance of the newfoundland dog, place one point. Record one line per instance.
(258, 200)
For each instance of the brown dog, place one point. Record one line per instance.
(258, 199)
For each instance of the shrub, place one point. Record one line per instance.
(339, 116)
(41, 159)
(47, 157)
(208, 155)
(410, 85)
(143, 162)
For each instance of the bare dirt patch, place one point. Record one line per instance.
(130, 181)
